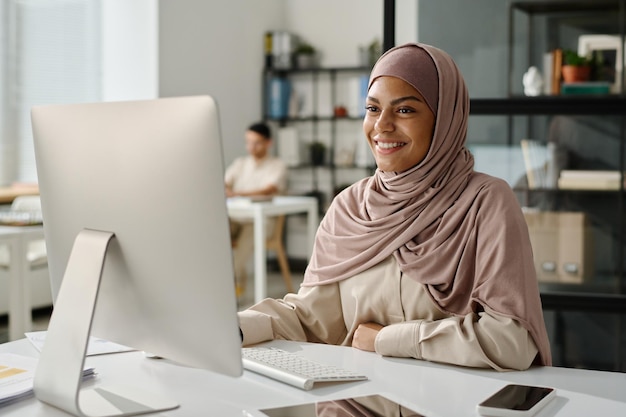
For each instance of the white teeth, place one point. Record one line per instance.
(387, 145)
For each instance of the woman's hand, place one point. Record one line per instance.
(365, 336)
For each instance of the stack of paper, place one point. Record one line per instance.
(590, 180)
(96, 345)
(17, 373)
(540, 163)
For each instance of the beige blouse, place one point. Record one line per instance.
(247, 174)
(414, 326)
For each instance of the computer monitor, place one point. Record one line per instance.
(135, 218)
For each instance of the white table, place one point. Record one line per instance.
(434, 390)
(258, 212)
(18, 239)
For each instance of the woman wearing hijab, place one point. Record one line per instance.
(426, 258)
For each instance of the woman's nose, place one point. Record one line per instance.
(384, 123)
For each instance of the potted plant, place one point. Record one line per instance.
(305, 55)
(576, 68)
(317, 152)
(375, 50)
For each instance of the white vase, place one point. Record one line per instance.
(532, 81)
(305, 60)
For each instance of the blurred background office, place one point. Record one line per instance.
(55, 51)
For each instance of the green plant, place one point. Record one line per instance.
(571, 57)
(317, 146)
(375, 50)
(305, 49)
(317, 152)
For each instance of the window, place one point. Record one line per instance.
(52, 51)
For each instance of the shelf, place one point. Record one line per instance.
(593, 134)
(592, 302)
(550, 105)
(313, 70)
(322, 90)
(546, 7)
(564, 190)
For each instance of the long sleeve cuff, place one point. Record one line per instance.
(400, 340)
(255, 327)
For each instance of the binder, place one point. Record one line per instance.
(278, 98)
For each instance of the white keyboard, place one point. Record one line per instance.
(20, 218)
(293, 369)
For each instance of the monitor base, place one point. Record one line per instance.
(59, 372)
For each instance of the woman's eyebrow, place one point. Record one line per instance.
(406, 98)
(397, 100)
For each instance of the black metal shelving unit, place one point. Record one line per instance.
(550, 105)
(334, 75)
(606, 294)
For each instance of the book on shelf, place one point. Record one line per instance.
(590, 87)
(357, 95)
(540, 163)
(557, 66)
(289, 145)
(548, 64)
(530, 171)
(279, 93)
(590, 180)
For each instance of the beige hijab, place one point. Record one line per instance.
(460, 233)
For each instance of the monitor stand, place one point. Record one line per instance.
(59, 372)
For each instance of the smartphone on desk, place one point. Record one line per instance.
(516, 401)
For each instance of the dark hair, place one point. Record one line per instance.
(262, 129)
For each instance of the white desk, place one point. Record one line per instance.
(429, 388)
(258, 212)
(8, 194)
(18, 238)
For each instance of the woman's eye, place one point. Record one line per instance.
(405, 110)
(371, 108)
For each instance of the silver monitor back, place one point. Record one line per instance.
(151, 172)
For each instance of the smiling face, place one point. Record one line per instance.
(398, 124)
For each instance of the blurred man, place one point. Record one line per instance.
(257, 175)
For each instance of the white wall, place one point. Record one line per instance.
(216, 47)
(338, 28)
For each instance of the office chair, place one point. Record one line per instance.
(36, 256)
(275, 243)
